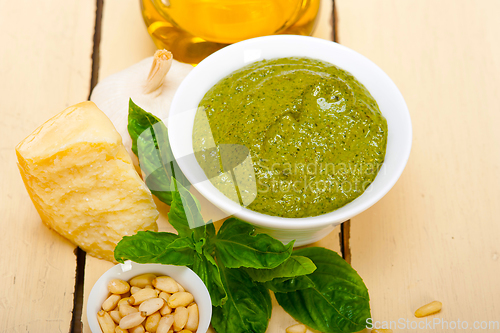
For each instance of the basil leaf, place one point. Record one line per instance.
(289, 284)
(138, 121)
(184, 212)
(337, 302)
(155, 247)
(292, 267)
(238, 245)
(150, 144)
(248, 307)
(208, 271)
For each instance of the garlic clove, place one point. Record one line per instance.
(162, 61)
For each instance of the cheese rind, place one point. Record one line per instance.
(82, 180)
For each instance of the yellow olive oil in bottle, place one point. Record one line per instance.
(193, 29)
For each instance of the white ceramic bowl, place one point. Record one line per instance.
(223, 62)
(186, 277)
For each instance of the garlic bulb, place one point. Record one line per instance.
(147, 84)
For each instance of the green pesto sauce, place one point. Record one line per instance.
(315, 135)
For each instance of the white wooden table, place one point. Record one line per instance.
(435, 235)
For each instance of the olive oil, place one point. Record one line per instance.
(193, 29)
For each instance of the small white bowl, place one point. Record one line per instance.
(186, 277)
(223, 62)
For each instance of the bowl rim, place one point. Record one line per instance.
(220, 59)
(97, 296)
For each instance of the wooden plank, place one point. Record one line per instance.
(45, 63)
(435, 235)
(124, 42)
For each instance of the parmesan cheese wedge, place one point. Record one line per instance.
(82, 180)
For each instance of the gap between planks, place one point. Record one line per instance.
(76, 321)
(345, 228)
(97, 43)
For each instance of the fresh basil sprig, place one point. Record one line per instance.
(201, 245)
(239, 266)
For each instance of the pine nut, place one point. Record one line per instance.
(166, 283)
(297, 328)
(110, 302)
(181, 288)
(165, 310)
(382, 330)
(117, 286)
(164, 295)
(118, 329)
(115, 315)
(134, 289)
(193, 318)
(132, 320)
(141, 296)
(182, 298)
(152, 322)
(123, 300)
(428, 309)
(185, 331)
(107, 324)
(125, 309)
(180, 318)
(137, 329)
(165, 324)
(151, 306)
(142, 280)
